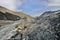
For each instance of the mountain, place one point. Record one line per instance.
(19, 14)
(44, 27)
(47, 27)
(7, 16)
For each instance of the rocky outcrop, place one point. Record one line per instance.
(8, 16)
(47, 27)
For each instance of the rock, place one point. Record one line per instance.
(48, 29)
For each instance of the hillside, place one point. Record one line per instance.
(49, 28)
(46, 26)
(11, 16)
(20, 14)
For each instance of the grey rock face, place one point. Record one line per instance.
(49, 28)
(8, 30)
(8, 16)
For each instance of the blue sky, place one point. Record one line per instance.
(32, 7)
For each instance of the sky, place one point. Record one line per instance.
(31, 7)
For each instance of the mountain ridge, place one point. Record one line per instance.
(46, 26)
(20, 14)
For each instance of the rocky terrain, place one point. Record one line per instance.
(44, 27)
(9, 21)
(49, 28)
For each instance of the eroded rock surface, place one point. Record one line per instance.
(46, 27)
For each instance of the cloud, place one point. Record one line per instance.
(53, 2)
(10, 4)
